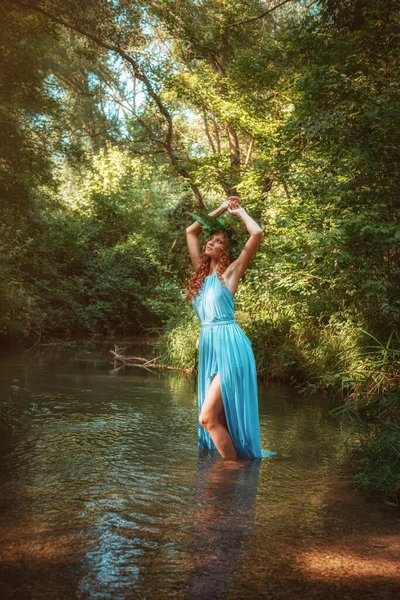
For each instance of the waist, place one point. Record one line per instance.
(214, 323)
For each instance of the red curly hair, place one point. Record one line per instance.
(197, 278)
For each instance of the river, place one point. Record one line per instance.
(105, 495)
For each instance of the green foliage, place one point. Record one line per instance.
(107, 252)
(377, 456)
(339, 157)
(210, 224)
(374, 403)
(179, 343)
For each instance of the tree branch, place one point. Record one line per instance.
(139, 74)
(208, 134)
(264, 14)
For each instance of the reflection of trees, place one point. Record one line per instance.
(299, 427)
(182, 386)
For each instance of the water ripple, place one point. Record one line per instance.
(107, 496)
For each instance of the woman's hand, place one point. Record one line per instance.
(234, 207)
(225, 205)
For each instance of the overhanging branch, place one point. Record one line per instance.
(264, 14)
(138, 73)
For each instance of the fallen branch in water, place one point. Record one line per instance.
(128, 361)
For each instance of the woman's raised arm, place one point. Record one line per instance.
(193, 232)
(239, 266)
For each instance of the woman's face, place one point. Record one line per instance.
(215, 246)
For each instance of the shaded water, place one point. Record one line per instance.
(106, 495)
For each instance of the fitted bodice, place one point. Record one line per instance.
(214, 302)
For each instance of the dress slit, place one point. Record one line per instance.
(224, 405)
(226, 350)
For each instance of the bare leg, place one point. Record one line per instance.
(222, 420)
(210, 419)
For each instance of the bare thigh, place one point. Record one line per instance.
(213, 406)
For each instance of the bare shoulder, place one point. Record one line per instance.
(231, 277)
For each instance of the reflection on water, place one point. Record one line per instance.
(225, 494)
(107, 496)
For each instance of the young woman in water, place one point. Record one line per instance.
(227, 380)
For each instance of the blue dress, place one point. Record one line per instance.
(225, 349)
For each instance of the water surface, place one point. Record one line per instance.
(106, 495)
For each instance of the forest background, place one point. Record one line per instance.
(119, 118)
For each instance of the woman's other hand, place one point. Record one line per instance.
(234, 207)
(225, 205)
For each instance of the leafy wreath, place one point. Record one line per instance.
(236, 236)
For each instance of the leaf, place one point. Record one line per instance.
(211, 224)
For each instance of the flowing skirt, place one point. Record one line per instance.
(224, 348)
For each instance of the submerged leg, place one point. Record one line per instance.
(209, 418)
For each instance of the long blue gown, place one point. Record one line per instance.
(225, 349)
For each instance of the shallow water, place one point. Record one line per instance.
(106, 495)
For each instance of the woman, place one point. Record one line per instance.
(227, 380)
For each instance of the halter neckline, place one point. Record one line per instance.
(225, 287)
